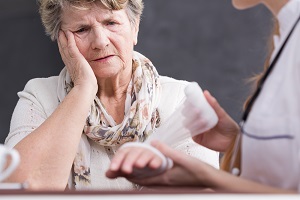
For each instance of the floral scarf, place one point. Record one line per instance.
(141, 117)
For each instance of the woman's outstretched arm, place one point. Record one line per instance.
(188, 171)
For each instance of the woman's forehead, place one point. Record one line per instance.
(83, 9)
(99, 12)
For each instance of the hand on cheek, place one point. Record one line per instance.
(78, 67)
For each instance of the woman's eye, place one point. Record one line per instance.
(111, 23)
(81, 30)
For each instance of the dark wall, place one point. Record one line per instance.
(206, 41)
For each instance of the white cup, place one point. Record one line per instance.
(5, 154)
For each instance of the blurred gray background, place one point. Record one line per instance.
(206, 41)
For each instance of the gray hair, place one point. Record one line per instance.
(51, 11)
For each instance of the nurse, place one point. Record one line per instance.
(268, 138)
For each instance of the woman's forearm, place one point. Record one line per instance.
(48, 152)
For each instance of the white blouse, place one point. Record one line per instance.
(271, 151)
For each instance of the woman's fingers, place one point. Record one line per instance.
(148, 159)
(115, 168)
(128, 158)
(117, 161)
(73, 51)
(78, 67)
(68, 48)
(62, 44)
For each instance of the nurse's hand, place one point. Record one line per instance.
(221, 136)
(78, 67)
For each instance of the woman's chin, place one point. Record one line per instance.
(240, 5)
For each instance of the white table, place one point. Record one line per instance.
(172, 194)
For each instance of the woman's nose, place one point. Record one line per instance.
(100, 38)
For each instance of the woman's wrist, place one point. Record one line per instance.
(86, 89)
(86, 92)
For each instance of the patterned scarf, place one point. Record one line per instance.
(141, 117)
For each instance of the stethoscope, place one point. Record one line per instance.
(249, 106)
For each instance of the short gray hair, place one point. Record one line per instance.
(51, 10)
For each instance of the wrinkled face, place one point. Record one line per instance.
(105, 38)
(243, 4)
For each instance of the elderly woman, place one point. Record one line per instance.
(68, 127)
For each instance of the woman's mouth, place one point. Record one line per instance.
(103, 59)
